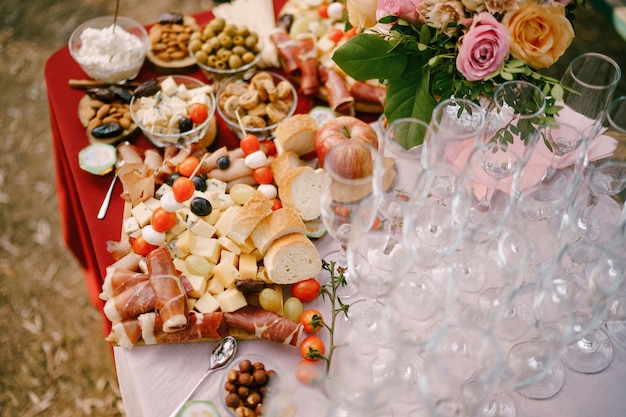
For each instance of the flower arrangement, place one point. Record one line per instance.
(429, 49)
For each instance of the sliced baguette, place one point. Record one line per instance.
(283, 163)
(297, 134)
(300, 188)
(278, 223)
(292, 258)
(251, 213)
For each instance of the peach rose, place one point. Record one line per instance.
(362, 13)
(483, 49)
(540, 34)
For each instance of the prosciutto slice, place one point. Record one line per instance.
(131, 302)
(200, 326)
(367, 92)
(125, 333)
(265, 325)
(339, 98)
(118, 280)
(287, 50)
(171, 300)
(307, 58)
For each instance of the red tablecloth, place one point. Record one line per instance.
(80, 194)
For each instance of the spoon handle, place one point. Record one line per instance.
(193, 390)
(107, 199)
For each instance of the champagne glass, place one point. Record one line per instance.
(402, 160)
(350, 198)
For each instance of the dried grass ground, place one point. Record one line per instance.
(53, 360)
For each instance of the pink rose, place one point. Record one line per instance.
(406, 9)
(483, 49)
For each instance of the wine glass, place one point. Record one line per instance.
(350, 198)
(402, 160)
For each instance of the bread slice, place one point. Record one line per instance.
(283, 163)
(251, 213)
(278, 223)
(297, 134)
(292, 258)
(300, 188)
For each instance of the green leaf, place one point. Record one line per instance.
(369, 57)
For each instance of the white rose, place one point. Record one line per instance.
(362, 13)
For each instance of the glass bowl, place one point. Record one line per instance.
(146, 110)
(107, 54)
(269, 364)
(213, 60)
(273, 109)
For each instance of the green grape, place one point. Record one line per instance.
(198, 265)
(240, 193)
(270, 299)
(293, 308)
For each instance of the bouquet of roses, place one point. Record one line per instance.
(425, 50)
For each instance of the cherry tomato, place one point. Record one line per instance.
(312, 348)
(263, 175)
(163, 220)
(335, 35)
(268, 147)
(188, 165)
(342, 211)
(307, 371)
(249, 143)
(183, 189)
(322, 10)
(306, 290)
(312, 320)
(141, 247)
(276, 204)
(350, 32)
(377, 224)
(198, 112)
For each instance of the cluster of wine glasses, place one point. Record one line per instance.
(500, 259)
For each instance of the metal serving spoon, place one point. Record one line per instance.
(223, 352)
(107, 199)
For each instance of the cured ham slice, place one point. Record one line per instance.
(339, 98)
(265, 325)
(367, 92)
(125, 333)
(118, 280)
(200, 326)
(171, 300)
(131, 302)
(307, 58)
(287, 50)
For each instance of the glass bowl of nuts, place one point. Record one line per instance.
(246, 382)
(223, 49)
(173, 110)
(257, 105)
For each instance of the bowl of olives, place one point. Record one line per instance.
(222, 49)
(173, 110)
(246, 384)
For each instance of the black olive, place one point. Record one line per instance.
(121, 93)
(185, 124)
(199, 183)
(107, 130)
(170, 17)
(105, 95)
(223, 162)
(200, 206)
(172, 178)
(148, 88)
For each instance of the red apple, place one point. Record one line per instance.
(341, 129)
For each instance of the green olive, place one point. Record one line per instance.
(201, 56)
(230, 29)
(217, 24)
(225, 41)
(195, 45)
(248, 57)
(239, 50)
(252, 40)
(196, 35)
(206, 47)
(214, 43)
(221, 65)
(243, 30)
(234, 61)
(211, 60)
(224, 54)
(207, 33)
(239, 40)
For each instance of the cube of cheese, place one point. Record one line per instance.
(169, 86)
(247, 266)
(216, 185)
(152, 203)
(130, 225)
(162, 190)
(230, 257)
(207, 303)
(261, 274)
(231, 300)
(186, 242)
(203, 229)
(174, 251)
(179, 264)
(207, 247)
(225, 201)
(198, 282)
(247, 246)
(213, 217)
(226, 273)
(142, 214)
(214, 286)
(228, 244)
(226, 219)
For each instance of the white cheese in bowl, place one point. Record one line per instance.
(109, 48)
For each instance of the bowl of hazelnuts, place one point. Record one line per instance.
(246, 384)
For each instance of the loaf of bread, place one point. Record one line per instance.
(292, 258)
(251, 213)
(296, 134)
(300, 188)
(283, 163)
(278, 223)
